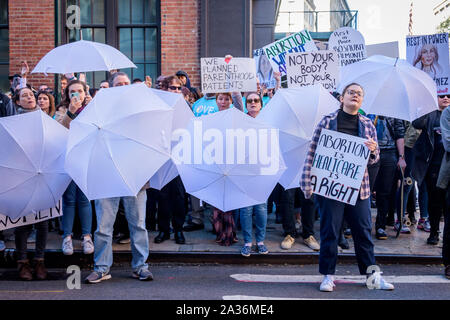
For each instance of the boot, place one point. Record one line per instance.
(40, 270)
(25, 272)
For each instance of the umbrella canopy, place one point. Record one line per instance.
(392, 87)
(181, 118)
(83, 56)
(229, 160)
(296, 112)
(31, 163)
(119, 141)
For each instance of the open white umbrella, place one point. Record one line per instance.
(181, 118)
(119, 141)
(296, 112)
(32, 175)
(83, 56)
(229, 160)
(392, 87)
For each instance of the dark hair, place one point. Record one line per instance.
(228, 94)
(346, 88)
(168, 80)
(51, 99)
(114, 76)
(136, 80)
(16, 96)
(66, 101)
(196, 93)
(254, 92)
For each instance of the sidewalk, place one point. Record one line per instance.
(201, 247)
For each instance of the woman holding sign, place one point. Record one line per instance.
(349, 121)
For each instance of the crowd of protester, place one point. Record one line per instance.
(418, 152)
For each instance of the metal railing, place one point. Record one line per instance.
(344, 18)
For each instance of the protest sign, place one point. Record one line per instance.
(430, 54)
(220, 75)
(264, 70)
(298, 42)
(349, 44)
(43, 215)
(388, 49)
(309, 68)
(338, 167)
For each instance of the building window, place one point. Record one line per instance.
(132, 26)
(4, 46)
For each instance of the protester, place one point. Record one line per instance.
(346, 120)
(104, 84)
(429, 151)
(171, 198)
(106, 211)
(46, 102)
(390, 136)
(443, 183)
(26, 102)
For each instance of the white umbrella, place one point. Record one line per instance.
(83, 56)
(392, 87)
(119, 141)
(31, 163)
(214, 169)
(182, 116)
(296, 112)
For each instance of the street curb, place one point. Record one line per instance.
(55, 258)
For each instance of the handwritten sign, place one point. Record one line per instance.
(349, 44)
(8, 223)
(237, 74)
(338, 166)
(430, 54)
(309, 68)
(298, 42)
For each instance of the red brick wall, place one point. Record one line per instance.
(180, 38)
(31, 35)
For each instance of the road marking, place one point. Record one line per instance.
(24, 291)
(246, 277)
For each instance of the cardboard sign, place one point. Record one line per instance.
(264, 70)
(237, 74)
(338, 166)
(310, 68)
(349, 44)
(430, 54)
(8, 223)
(298, 42)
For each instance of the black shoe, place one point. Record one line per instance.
(347, 233)
(193, 227)
(447, 271)
(278, 220)
(162, 236)
(433, 239)
(343, 243)
(179, 238)
(381, 234)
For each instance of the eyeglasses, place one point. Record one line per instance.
(352, 92)
(445, 96)
(253, 100)
(175, 88)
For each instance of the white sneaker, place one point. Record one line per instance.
(2, 245)
(67, 246)
(376, 281)
(88, 245)
(327, 284)
(312, 243)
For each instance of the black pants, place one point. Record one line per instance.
(307, 215)
(151, 209)
(446, 238)
(21, 237)
(384, 184)
(358, 217)
(284, 201)
(171, 206)
(436, 198)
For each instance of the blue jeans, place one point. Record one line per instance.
(72, 198)
(106, 210)
(246, 215)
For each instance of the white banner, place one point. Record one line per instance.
(298, 42)
(8, 223)
(430, 54)
(339, 165)
(309, 68)
(228, 75)
(349, 44)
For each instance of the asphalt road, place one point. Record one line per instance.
(223, 282)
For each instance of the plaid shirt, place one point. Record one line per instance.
(365, 129)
